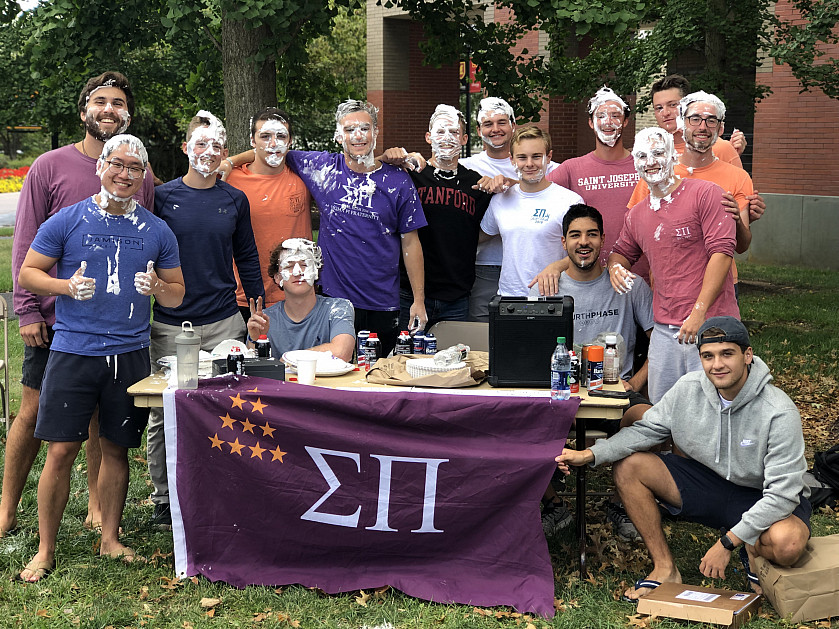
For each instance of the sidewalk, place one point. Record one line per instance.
(8, 206)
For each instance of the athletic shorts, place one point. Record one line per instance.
(34, 363)
(709, 499)
(75, 385)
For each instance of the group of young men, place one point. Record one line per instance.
(402, 244)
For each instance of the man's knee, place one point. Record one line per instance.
(786, 540)
(631, 469)
(62, 454)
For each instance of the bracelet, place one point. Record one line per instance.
(250, 340)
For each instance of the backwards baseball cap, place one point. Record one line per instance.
(733, 332)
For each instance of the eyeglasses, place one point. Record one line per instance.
(118, 167)
(710, 122)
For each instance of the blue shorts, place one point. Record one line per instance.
(75, 385)
(34, 363)
(709, 499)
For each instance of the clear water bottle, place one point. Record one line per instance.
(611, 361)
(560, 370)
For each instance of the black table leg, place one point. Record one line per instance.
(581, 495)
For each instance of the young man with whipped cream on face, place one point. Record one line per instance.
(689, 240)
(453, 208)
(211, 220)
(58, 179)
(304, 320)
(496, 125)
(528, 217)
(109, 255)
(279, 200)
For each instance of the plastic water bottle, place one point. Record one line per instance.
(611, 361)
(560, 370)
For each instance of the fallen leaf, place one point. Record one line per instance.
(211, 612)
(260, 617)
(43, 613)
(144, 592)
(362, 600)
(209, 602)
(278, 591)
(639, 620)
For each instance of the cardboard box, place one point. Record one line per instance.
(809, 590)
(700, 604)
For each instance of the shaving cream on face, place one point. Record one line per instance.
(489, 108)
(133, 148)
(608, 123)
(654, 149)
(445, 138)
(357, 130)
(297, 251)
(274, 140)
(206, 144)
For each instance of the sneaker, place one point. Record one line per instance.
(555, 517)
(624, 528)
(161, 519)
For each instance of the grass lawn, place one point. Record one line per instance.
(791, 313)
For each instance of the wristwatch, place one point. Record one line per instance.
(725, 540)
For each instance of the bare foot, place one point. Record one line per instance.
(123, 553)
(39, 568)
(7, 526)
(93, 520)
(662, 576)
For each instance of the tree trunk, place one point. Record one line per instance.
(247, 88)
(715, 44)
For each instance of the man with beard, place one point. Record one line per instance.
(280, 203)
(58, 179)
(689, 240)
(453, 209)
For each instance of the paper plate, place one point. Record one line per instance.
(328, 365)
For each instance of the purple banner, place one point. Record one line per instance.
(434, 494)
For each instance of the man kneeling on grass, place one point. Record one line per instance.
(110, 255)
(742, 469)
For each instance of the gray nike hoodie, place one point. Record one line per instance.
(756, 442)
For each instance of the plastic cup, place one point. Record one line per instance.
(306, 368)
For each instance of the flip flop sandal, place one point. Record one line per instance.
(641, 583)
(750, 576)
(41, 569)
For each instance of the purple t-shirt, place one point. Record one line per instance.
(57, 179)
(361, 218)
(115, 247)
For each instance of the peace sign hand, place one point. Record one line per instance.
(258, 322)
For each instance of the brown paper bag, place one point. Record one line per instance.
(809, 590)
(392, 371)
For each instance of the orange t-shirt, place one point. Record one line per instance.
(726, 176)
(280, 209)
(723, 150)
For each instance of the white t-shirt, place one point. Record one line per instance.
(530, 225)
(490, 252)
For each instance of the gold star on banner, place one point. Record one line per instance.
(257, 451)
(254, 390)
(277, 454)
(227, 421)
(258, 406)
(247, 426)
(267, 430)
(237, 401)
(216, 441)
(236, 447)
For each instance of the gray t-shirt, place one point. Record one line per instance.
(330, 317)
(598, 308)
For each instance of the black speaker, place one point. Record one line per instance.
(522, 338)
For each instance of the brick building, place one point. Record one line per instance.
(793, 165)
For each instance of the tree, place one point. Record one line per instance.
(602, 41)
(18, 96)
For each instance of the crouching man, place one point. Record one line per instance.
(743, 468)
(111, 254)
